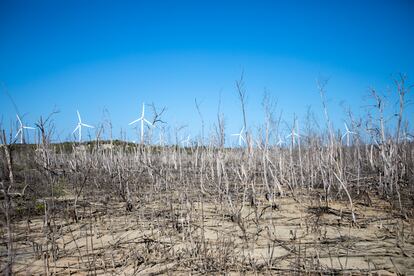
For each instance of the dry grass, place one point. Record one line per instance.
(195, 234)
(315, 205)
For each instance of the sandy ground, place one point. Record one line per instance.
(174, 235)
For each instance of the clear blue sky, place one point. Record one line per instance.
(91, 55)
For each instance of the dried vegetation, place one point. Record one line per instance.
(322, 203)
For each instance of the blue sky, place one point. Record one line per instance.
(92, 55)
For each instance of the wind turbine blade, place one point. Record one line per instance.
(241, 137)
(346, 127)
(85, 125)
(344, 136)
(77, 127)
(79, 117)
(20, 121)
(26, 127)
(143, 110)
(133, 122)
(18, 132)
(148, 122)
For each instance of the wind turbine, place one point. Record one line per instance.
(79, 127)
(21, 129)
(347, 134)
(293, 134)
(280, 142)
(142, 119)
(186, 141)
(241, 138)
(407, 137)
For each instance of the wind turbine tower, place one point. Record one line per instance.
(21, 129)
(240, 135)
(79, 127)
(142, 120)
